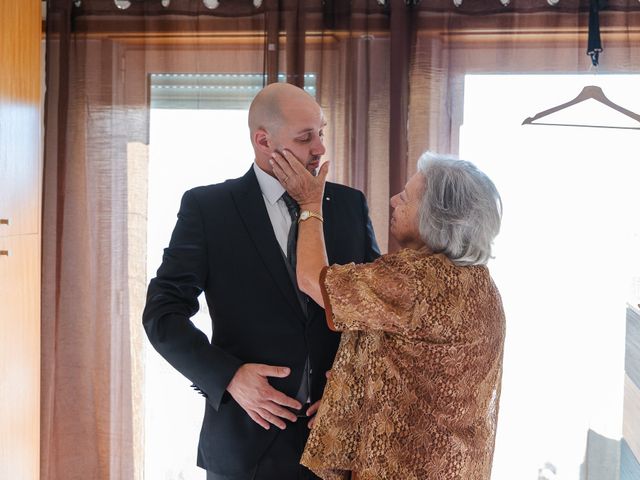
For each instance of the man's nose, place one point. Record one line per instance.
(392, 201)
(318, 147)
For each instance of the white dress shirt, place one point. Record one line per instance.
(276, 208)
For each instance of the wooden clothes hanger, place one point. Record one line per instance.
(588, 92)
(594, 48)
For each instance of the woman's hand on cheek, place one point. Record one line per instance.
(303, 187)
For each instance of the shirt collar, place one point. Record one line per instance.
(270, 187)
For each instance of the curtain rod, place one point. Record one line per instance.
(210, 4)
(213, 4)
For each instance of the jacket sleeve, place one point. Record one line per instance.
(172, 299)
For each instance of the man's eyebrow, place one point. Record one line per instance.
(307, 130)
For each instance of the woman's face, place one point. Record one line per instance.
(404, 219)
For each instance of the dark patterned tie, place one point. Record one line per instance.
(292, 239)
(294, 210)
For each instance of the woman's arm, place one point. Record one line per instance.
(311, 253)
(308, 191)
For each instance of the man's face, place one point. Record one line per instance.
(301, 131)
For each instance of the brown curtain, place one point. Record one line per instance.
(390, 77)
(97, 108)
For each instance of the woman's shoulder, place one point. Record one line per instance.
(416, 259)
(424, 258)
(428, 268)
(409, 264)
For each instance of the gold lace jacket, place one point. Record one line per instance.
(414, 389)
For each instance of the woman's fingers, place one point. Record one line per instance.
(280, 166)
(281, 159)
(313, 408)
(323, 172)
(293, 163)
(278, 172)
(288, 177)
(311, 413)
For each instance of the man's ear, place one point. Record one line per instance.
(262, 140)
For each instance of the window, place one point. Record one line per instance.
(198, 136)
(567, 262)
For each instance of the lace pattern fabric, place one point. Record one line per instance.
(415, 385)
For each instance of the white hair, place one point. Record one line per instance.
(460, 211)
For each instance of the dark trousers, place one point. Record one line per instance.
(281, 461)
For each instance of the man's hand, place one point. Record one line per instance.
(263, 403)
(303, 187)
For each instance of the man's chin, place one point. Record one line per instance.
(313, 166)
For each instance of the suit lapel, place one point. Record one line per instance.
(328, 209)
(249, 202)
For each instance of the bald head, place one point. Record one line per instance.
(270, 106)
(283, 116)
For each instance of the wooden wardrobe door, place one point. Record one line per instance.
(20, 116)
(20, 357)
(20, 238)
(20, 168)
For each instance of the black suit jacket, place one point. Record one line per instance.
(223, 244)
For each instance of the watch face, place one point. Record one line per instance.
(304, 215)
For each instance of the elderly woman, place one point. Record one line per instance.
(414, 389)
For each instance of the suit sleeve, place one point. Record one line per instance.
(172, 299)
(371, 249)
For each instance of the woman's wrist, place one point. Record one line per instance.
(315, 207)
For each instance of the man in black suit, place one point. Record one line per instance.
(270, 349)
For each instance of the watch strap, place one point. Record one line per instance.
(307, 214)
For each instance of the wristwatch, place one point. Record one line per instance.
(306, 214)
